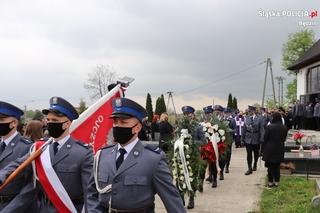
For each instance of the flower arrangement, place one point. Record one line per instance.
(207, 151)
(177, 171)
(297, 137)
(185, 163)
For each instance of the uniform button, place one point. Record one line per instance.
(116, 180)
(114, 192)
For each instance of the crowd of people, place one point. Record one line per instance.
(261, 131)
(125, 176)
(305, 116)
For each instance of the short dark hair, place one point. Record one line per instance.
(276, 117)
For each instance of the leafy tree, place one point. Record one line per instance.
(157, 110)
(270, 103)
(298, 43)
(163, 104)
(257, 105)
(82, 106)
(230, 104)
(235, 103)
(292, 91)
(160, 106)
(149, 107)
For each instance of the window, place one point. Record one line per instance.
(313, 80)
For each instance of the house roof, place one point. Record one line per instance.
(311, 56)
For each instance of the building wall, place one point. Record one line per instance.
(302, 79)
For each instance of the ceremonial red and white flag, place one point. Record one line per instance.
(51, 182)
(93, 125)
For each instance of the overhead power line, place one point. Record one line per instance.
(221, 79)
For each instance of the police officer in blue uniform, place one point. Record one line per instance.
(228, 117)
(13, 146)
(196, 131)
(71, 160)
(218, 112)
(127, 175)
(253, 130)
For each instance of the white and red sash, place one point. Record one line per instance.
(50, 181)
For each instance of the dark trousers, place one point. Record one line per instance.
(229, 152)
(202, 174)
(237, 140)
(222, 164)
(299, 120)
(273, 172)
(252, 148)
(318, 123)
(213, 171)
(310, 123)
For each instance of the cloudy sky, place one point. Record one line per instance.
(189, 47)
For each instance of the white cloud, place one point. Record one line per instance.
(165, 45)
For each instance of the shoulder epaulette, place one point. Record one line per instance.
(85, 145)
(107, 146)
(153, 148)
(26, 141)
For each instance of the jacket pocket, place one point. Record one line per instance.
(67, 169)
(135, 180)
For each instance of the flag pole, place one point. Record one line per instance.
(26, 163)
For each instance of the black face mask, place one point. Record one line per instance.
(122, 134)
(5, 128)
(55, 129)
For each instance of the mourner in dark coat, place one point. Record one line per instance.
(166, 132)
(273, 148)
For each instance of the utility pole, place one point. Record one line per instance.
(280, 92)
(268, 69)
(170, 96)
(282, 78)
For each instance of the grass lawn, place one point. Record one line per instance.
(293, 195)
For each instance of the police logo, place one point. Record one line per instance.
(118, 102)
(136, 153)
(55, 100)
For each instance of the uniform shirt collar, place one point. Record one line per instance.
(129, 147)
(8, 140)
(62, 141)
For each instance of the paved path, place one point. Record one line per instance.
(237, 193)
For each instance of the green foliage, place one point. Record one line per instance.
(270, 103)
(186, 122)
(160, 106)
(292, 91)
(257, 105)
(193, 159)
(235, 103)
(230, 101)
(163, 104)
(157, 110)
(294, 194)
(298, 43)
(37, 113)
(149, 108)
(193, 162)
(82, 106)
